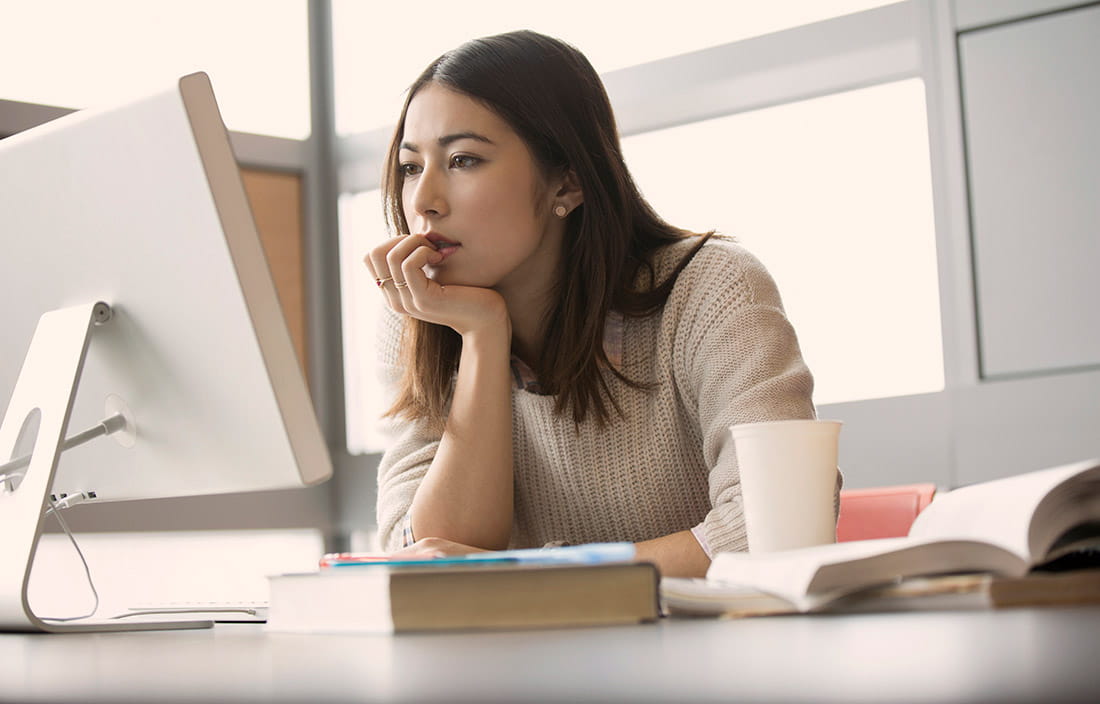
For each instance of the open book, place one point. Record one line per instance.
(1004, 527)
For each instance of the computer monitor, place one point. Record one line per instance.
(131, 259)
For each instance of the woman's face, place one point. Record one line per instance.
(471, 185)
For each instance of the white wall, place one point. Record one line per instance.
(1015, 169)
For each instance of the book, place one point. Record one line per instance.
(684, 596)
(480, 594)
(977, 591)
(1006, 528)
(588, 553)
(697, 597)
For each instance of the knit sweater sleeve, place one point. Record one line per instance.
(737, 361)
(410, 447)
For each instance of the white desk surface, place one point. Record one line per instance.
(1023, 655)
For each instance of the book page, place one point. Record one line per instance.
(686, 596)
(788, 573)
(998, 512)
(812, 576)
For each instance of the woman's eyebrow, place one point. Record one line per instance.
(446, 140)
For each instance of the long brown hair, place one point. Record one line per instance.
(548, 92)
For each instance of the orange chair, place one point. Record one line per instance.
(881, 512)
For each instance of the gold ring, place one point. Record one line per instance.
(401, 284)
(382, 282)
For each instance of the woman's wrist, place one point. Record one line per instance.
(494, 333)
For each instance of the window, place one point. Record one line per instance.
(834, 195)
(843, 178)
(361, 228)
(379, 48)
(82, 54)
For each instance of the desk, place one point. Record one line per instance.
(1008, 656)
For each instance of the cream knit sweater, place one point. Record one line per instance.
(719, 352)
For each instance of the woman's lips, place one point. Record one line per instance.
(442, 245)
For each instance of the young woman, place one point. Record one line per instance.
(565, 365)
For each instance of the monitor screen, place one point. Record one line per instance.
(141, 206)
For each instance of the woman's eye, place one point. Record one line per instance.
(463, 161)
(409, 169)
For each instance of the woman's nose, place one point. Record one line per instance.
(429, 197)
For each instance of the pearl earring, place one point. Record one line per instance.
(561, 211)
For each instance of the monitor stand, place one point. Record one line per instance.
(45, 389)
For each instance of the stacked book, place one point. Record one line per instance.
(584, 585)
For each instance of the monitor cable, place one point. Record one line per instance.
(56, 507)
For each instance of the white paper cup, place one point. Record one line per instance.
(788, 479)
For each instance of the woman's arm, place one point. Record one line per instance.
(676, 555)
(742, 364)
(466, 495)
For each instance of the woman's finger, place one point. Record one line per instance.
(395, 259)
(417, 283)
(400, 252)
(434, 547)
(415, 551)
(376, 258)
(378, 264)
(379, 279)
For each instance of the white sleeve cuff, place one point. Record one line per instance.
(701, 536)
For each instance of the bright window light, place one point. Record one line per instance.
(380, 48)
(834, 195)
(77, 54)
(361, 229)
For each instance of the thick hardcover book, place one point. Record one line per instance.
(1005, 528)
(387, 599)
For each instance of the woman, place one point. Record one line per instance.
(565, 364)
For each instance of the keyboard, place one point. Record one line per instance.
(217, 611)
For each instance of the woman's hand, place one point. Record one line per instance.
(399, 265)
(434, 547)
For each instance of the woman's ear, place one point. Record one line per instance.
(568, 193)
